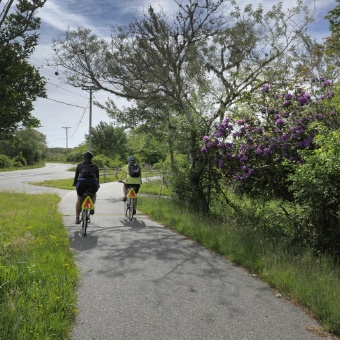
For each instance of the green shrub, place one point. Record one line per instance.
(20, 160)
(315, 185)
(5, 162)
(102, 161)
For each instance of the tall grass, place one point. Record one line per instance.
(38, 275)
(311, 281)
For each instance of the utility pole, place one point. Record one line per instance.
(66, 127)
(90, 89)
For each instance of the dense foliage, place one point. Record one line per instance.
(283, 145)
(24, 147)
(185, 70)
(20, 83)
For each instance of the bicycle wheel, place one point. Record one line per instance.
(134, 204)
(84, 221)
(129, 209)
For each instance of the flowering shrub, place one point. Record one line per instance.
(257, 150)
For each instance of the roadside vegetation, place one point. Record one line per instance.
(298, 274)
(38, 274)
(243, 124)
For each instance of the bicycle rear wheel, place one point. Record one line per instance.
(129, 209)
(84, 221)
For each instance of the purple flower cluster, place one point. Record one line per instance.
(246, 147)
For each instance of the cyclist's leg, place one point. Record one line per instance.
(125, 191)
(80, 191)
(136, 188)
(93, 188)
(78, 205)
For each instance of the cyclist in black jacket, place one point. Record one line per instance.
(86, 178)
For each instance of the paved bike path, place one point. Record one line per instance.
(139, 280)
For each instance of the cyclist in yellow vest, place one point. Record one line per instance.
(128, 180)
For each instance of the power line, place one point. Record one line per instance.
(60, 102)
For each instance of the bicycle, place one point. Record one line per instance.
(86, 208)
(131, 202)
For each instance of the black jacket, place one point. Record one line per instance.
(90, 167)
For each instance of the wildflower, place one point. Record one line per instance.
(203, 149)
(288, 96)
(287, 103)
(327, 83)
(265, 88)
(250, 172)
(330, 94)
(304, 99)
(279, 122)
(266, 151)
(205, 139)
(209, 145)
(240, 122)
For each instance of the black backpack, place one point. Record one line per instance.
(134, 170)
(88, 172)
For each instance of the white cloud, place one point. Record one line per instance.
(59, 15)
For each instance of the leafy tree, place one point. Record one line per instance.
(147, 148)
(206, 56)
(315, 185)
(28, 143)
(31, 145)
(109, 140)
(20, 83)
(257, 148)
(332, 42)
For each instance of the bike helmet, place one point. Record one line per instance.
(131, 159)
(88, 155)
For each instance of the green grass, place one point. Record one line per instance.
(304, 279)
(148, 187)
(27, 167)
(307, 280)
(38, 275)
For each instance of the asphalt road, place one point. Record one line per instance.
(141, 281)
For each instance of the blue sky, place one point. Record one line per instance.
(66, 110)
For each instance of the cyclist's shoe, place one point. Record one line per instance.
(134, 212)
(124, 199)
(91, 212)
(77, 221)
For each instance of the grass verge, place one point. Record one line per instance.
(38, 274)
(312, 282)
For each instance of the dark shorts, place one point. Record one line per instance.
(135, 187)
(88, 184)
